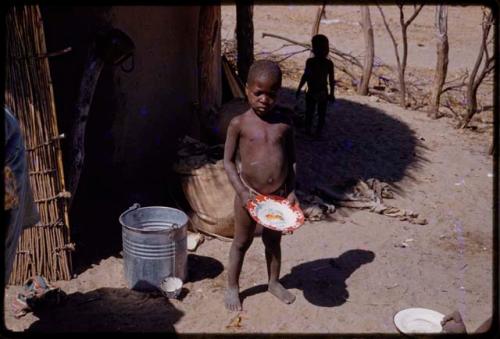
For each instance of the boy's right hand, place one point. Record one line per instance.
(245, 197)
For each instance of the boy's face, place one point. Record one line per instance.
(262, 93)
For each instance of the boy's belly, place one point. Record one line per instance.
(266, 176)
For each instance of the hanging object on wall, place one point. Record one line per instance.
(111, 46)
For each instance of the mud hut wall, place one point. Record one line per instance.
(136, 117)
(158, 97)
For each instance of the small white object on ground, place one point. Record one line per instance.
(171, 287)
(490, 175)
(193, 240)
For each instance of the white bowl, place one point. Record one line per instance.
(418, 320)
(275, 213)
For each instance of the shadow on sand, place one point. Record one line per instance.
(322, 281)
(109, 310)
(358, 142)
(202, 267)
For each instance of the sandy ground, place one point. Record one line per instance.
(349, 275)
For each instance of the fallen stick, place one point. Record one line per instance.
(383, 95)
(44, 55)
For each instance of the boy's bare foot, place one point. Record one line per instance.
(232, 299)
(281, 293)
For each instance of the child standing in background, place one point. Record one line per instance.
(318, 69)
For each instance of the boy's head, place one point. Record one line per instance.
(263, 84)
(320, 45)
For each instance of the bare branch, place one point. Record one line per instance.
(491, 66)
(390, 34)
(414, 15)
(453, 87)
(345, 56)
(463, 82)
(490, 41)
(288, 55)
(264, 34)
(487, 69)
(275, 50)
(486, 52)
(450, 107)
(321, 10)
(486, 24)
(346, 71)
(462, 78)
(401, 16)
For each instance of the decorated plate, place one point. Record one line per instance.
(275, 212)
(418, 320)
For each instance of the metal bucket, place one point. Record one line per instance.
(154, 245)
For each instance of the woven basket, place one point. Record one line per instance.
(211, 197)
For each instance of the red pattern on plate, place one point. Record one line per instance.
(259, 199)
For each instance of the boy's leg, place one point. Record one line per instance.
(322, 104)
(272, 240)
(310, 107)
(244, 228)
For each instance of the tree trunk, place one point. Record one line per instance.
(474, 82)
(404, 28)
(209, 58)
(319, 14)
(402, 70)
(244, 38)
(366, 24)
(441, 25)
(472, 87)
(402, 88)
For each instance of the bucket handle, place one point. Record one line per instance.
(133, 207)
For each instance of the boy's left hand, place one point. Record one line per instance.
(292, 199)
